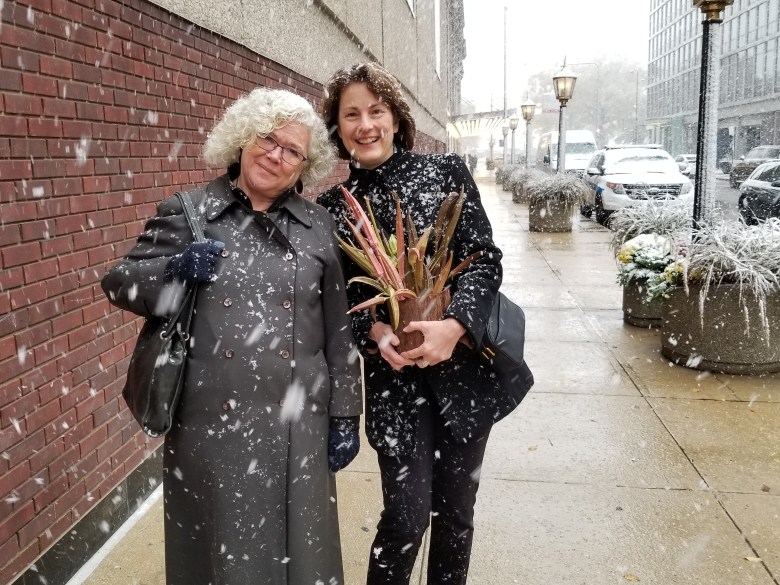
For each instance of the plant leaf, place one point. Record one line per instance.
(377, 300)
(372, 282)
(443, 276)
(469, 259)
(399, 237)
(395, 314)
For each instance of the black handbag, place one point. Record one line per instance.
(155, 375)
(504, 338)
(503, 345)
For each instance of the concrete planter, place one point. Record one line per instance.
(724, 343)
(552, 215)
(635, 311)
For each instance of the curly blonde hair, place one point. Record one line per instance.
(262, 111)
(380, 81)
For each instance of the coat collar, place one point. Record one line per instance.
(358, 174)
(220, 196)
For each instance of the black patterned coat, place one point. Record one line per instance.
(466, 390)
(248, 496)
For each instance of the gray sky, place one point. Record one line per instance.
(538, 35)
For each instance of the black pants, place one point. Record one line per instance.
(440, 479)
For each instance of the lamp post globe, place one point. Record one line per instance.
(563, 84)
(513, 125)
(528, 109)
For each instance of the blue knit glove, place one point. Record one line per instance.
(343, 442)
(198, 263)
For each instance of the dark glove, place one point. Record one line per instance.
(343, 442)
(198, 263)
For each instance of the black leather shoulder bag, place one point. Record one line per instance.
(503, 345)
(155, 375)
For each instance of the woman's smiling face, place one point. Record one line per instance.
(366, 126)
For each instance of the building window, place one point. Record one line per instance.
(752, 24)
(777, 67)
(750, 73)
(437, 34)
(760, 68)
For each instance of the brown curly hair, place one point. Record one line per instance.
(380, 81)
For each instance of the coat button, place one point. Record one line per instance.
(227, 302)
(229, 353)
(224, 253)
(284, 353)
(226, 405)
(287, 304)
(289, 256)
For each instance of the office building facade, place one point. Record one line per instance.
(749, 96)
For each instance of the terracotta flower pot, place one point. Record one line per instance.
(426, 307)
(552, 215)
(719, 338)
(635, 311)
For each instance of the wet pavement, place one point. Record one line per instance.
(618, 467)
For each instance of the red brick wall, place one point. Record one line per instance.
(103, 110)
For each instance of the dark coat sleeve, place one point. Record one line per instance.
(340, 351)
(475, 289)
(136, 282)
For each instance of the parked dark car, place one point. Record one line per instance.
(748, 163)
(759, 197)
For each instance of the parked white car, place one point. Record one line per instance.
(619, 176)
(686, 164)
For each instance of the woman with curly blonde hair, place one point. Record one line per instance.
(272, 397)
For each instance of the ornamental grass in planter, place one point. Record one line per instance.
(408, 279)
(519, 181)
(506, 176)
(551, 202)
(721, 307)
(646, 239)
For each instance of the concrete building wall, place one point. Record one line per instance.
(328, 34)
(104, 107)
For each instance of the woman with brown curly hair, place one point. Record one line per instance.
(429, 409)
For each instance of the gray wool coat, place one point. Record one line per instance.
(248, 495)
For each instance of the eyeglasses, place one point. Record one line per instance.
(289, 155)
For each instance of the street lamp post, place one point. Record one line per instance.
(504, 131)
(528, 109)
(513, 126)
(707, 129)
(563, 83)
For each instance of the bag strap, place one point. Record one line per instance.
(181, 322)
(189, 213)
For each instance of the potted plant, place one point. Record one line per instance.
(506, 176)
(500, 171)
(551, 202)
(411, 282)
(721, 300)
(639, 259)
(519, 181)
(645, 241)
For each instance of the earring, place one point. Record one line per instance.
(299, 187)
